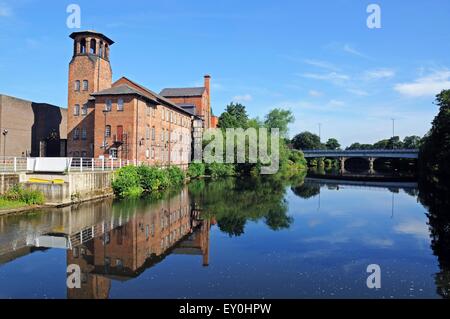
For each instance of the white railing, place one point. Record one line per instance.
(11, 164)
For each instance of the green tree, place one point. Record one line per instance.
(435, 151)
(412, 142)
(332, 144)
(306, 141)
(235, 116)
(279, 118)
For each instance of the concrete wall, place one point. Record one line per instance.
(28, 123)
(77, 186)
(8, 180)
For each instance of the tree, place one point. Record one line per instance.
(235, 116)
(279, 118)
(412, 142)
(306, 141)
(357, 146)
(332, 144)
(435, 151)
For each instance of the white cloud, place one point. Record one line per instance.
(416, 228)
(321, 64)
(377, 74)
(332, 76)
(349, 49)
(336, 103)
(358, 92)
(428, 85)
(315, 93)
(5, 11)
(242, 98)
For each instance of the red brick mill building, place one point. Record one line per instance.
(124, 119)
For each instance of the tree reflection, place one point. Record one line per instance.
(233, 202)
(306, 190)
(436, 197)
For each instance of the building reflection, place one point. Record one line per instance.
(130, 242)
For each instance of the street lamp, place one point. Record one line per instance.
(104, 146)
(5, 133)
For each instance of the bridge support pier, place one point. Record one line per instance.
(371, 165)
(342, 164)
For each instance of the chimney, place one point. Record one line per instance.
(207, 82)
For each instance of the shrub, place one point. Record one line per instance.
(176, 175)
(126, 179)
(149, 178)
(19, 194)
(220, 170)
(196, 170)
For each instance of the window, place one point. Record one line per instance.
(83, 154)
(147, 132)
(76, 110)
(77, 85)
(113, 152)
(83, 46)
(85, 85)
(149, 109)
(108, 106)
(93, 46)
(84, 109)
(153, 133)
(147, 153)
(162, 135)
(76, 134)
(108, 131)
(120, 105)
(153, 153)
(171, 117)
(83, 133)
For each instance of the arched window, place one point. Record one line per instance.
(77, 85)
(83, 133)
(83, 46)
(85, 85)
(120, 105)
(153, 133)
(147, 132)
(106, 51)
(108, 131)
(108, 106)
(93, 49)
(84, 109)
(101, 49)
(76, 134)
(76, 110)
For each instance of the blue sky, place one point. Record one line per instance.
(316, 58)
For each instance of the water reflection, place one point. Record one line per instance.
(265, 237)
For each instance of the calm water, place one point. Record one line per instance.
(232, 239)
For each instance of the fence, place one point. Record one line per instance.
(76, 164)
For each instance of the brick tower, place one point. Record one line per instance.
(89, 72)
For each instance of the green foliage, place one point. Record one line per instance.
(307, 141)
(412, 142)
(332, 144)
(18, 194)
(435, 151)
(196, 170)
(126, 178)
(132, 181)
(279, 118)
(235, 116)
(216, 170)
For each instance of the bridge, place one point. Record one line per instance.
(370, 155)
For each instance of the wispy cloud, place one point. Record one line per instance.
(242, 98)
(321, 64)
(358, 92)
(378, 74)
(331, 76)
(5, 10)
(315, 93)
(351, 50)
(428, 85)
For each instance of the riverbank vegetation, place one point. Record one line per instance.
(132, 181)
(17, 197)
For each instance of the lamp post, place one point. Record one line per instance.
(5, 133)
(105, 112)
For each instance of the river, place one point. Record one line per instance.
(231, 238)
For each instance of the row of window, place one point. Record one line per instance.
(76, 109)
(103, 49)
(78, 85)
(109, 103)
(76, 133)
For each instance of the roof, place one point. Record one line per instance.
(124, 89)
(92, 32)
(176, 92)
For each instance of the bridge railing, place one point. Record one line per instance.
(365, 151)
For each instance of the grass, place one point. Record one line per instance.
(11, 204)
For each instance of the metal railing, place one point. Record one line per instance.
(10, 164)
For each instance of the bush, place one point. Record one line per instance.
(126, 179)
(149, 178)
(19, 194)
(297, 157)
(220, 170)
(176, 175)
(196, 170)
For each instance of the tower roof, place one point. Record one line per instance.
(91, 32)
